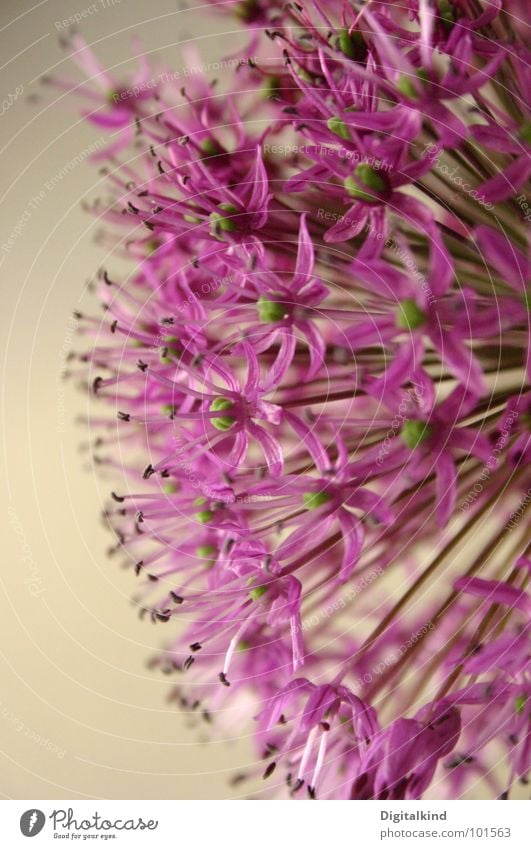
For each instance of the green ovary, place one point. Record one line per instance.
(202, 516)
(415, 432)
(409, 315)
(313, 500)
(222, 422)
(352, 45)
(270, 311)
(337, 126)
(407, 84)
(171, 350)
(222, 223)
(369, 179)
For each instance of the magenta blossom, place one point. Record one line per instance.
(309, 385)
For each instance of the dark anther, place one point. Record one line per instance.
(168, 320)
(96, 384)
(132, 208)
(118, 498)
(138, 567)
(107, 279)
(163, 616)
(282, 720)
(195, 646)
(149, 225)
(206, 716)
(142, 365)
(325, 726)
(140, 516)
(165, 473)
(223, 679)
(77, 314)
(311, 792)
(124, 417)
(143, 194)
(504, 796)
(148, 471)
(298, 784)
(178, 599)
(188, 662)
(159, 166)
(114, 325)
(153, 577)
(270, 770)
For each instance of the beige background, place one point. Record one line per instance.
(80, 714)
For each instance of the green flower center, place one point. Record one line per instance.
(366, 183)
(271, 87)
(170, 488)
(247, 10)
(257, 592)
(222, 223)
(525, 132)
(446, 13)
(338, 127)
(415, 432)
(270, 311)
(520, 703)
(352, 45)
(171, 350)
(222, 422)
(210, 147)
(202, 516)
(409, 315)
(205, 550)
(408, 84)
(313, 500)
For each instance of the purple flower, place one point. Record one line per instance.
(311, 389)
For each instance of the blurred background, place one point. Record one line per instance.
(81, 715)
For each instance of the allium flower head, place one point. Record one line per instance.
(310, 389)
